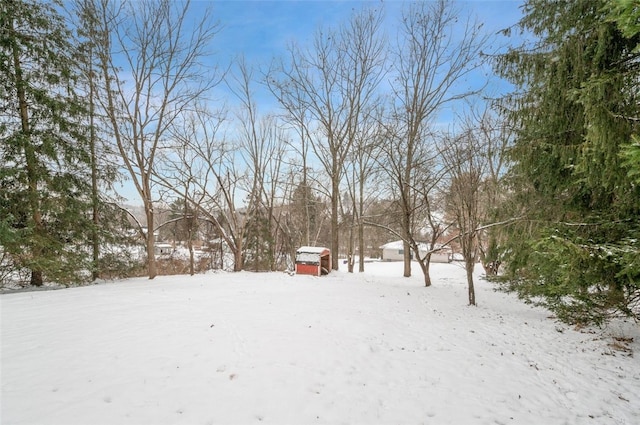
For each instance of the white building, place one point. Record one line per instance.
(163, 249)
(394, 251)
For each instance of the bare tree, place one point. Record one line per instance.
(180, 219)
(200, 166)
(304, 212)
(430, 196)
(331, 84)
(476, 159)
(151, 60)
(435, 54)
(261, 146)
(298, 120)
(233, 186)
(464, 156)
(190, 217)
(495, 136)
(361, 167)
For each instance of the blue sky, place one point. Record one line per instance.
(261, 29)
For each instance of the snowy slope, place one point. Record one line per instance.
(271, 348)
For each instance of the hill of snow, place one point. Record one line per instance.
(242, 348)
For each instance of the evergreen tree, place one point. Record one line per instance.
(626, 14)
(579, 250)
(305, 213)
(44, 195)
(105, 218)
(259, 242)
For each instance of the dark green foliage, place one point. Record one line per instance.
(578, 252)
(306, 211)
(626, 14)
(581, 280)
(43, 161)
(259, 242)
(120, 244)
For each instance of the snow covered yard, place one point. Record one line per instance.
(271, 348)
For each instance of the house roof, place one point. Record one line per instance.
(392, 245)
(400, 245)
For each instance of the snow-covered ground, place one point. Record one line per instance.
(236, 348)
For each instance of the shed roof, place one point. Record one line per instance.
(312, 249)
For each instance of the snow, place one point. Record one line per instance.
(242, 348)
(310, 254)
(312, 250)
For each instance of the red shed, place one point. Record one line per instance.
(313, 260)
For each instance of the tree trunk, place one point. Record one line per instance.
(427, 279)
(469, 254)
(95, 243)
(237, 260)
(335, 243)
(407, 258)
(38, 227)
(472, 293)
(31, 162)
(424, 265)
(361, 224)
(406, 228)
(151, 242)
(191, 259)
(360, 245)
(306, 198)
(36, 278)
(350, 261)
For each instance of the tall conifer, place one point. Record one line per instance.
(579, 250)
(43, 159)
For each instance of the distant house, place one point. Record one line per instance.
(394, 251)
(163, 249)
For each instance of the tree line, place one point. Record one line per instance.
(543, 180)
